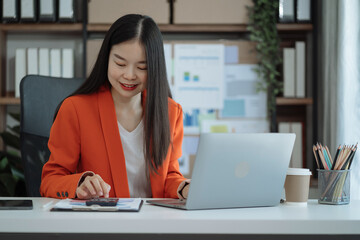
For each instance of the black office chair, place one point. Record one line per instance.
(39, 96)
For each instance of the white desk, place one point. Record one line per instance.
(274, 222)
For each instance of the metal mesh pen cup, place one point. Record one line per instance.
(334, 186)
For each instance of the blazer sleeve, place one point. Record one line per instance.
(174, 178)
(59, 177)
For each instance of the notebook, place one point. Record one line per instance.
(234, 170)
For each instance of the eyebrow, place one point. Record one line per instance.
(121, 58)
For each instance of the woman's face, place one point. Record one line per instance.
(127, 71)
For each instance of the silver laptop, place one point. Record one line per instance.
(237, 170)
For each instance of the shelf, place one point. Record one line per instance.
(293, 101)
(279, 101)
(41, 27)
(9, 101)
(168, 28)
(294, 27)
(203, 28)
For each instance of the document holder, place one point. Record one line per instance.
(66, 11)
(286, 11)
(10, 11)
(47, 11)
(28, 10)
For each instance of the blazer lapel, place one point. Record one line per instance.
(113, 143)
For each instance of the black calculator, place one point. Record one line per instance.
(105, 202)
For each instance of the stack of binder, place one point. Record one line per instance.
(291, 11)
(294, 70)
(40, 11)
(53, 62)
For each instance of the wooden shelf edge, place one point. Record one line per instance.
(293, 101)
(41, 27)
(167, 28)
(203, 28)
(9, 101)
(286, 27)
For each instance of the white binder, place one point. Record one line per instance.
(300, 69)
(20, 68)
(66, 11)
(32, 61)
(28, 10)
(10, 11)
(44, 62)
(67, 63)
(289, 72)
(55, 62)
(47, 11)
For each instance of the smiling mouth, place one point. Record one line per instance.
(128, 86)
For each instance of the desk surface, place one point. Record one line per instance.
(283, 219)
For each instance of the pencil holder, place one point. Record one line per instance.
(334, 186)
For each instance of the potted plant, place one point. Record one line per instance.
(263, 31)
(12, 182)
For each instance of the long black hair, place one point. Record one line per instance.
(156, 118)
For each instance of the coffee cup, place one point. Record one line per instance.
(297, 185)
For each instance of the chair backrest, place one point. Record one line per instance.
(40, 96)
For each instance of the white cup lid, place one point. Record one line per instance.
(298, 171)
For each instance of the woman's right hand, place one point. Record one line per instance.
(93, 186)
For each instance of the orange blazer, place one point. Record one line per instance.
(85, 137)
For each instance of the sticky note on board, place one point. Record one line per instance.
(219, 129)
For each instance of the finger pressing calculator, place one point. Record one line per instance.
(107, 202)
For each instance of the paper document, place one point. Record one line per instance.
(193, 118)
(198, 75)
(241, 98)
(123, 205)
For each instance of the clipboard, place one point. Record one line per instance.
(123, 205)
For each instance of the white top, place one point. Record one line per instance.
(136, 169)
(312, 219)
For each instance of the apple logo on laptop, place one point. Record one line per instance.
(242, 169)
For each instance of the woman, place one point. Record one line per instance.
(120, 133)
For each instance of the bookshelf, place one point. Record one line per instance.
(42, 27)
(288, 109)
(31, 31)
